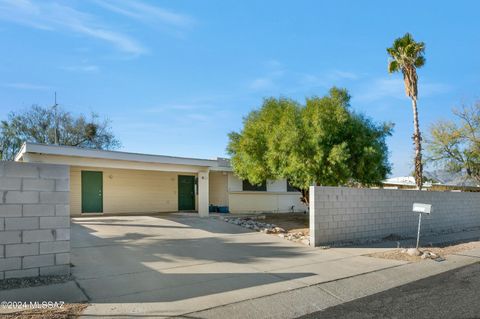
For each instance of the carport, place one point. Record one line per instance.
(111, 182)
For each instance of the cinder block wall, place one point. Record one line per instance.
(339, 214)
(34, 220)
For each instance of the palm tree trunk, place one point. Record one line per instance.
(417, 140)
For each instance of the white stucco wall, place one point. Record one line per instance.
(234, 183)
(275, 200)
(218, 186)
(128, 191)
(277, 186)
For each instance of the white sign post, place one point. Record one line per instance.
(421, 208)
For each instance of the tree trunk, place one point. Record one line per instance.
(417, 140)
(305, 198)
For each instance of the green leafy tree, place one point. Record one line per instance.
(407, 56)
(320, 143)
(50, 126)
(455, 145)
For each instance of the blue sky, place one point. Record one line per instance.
(176, 76)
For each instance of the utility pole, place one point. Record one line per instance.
(55, 119)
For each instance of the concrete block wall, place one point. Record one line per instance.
(34, 220)
(340, 214)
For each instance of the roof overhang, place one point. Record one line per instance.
(82, 153)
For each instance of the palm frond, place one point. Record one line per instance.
(393, 66)
(419, 61)
(407, 53)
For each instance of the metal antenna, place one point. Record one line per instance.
(56, 119)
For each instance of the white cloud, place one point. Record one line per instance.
(338, 74)
(264, 83)
(382, 88)
(123, 42)
(326, 79)
(199, 117)
(270, 80)
(23, 12)
(178, 107)
(52, 16)
(146, 13)
(89, 68)
(279, 77)
(200, 110)
(429, 89)
(274, 65)
(310, 80)
(25, 86)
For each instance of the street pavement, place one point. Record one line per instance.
(453, 294)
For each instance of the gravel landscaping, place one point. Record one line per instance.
(291, 226)
(13, 283)
(437, 253)
(66, 311)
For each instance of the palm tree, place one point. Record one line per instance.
(406, 56)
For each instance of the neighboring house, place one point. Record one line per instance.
(112, 182)
(408, 182)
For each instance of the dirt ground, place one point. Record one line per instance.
(291, 222)
(67, 311)
(439, 250)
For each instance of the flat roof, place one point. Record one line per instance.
(73, 151)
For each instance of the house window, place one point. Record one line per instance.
(290, 188)
(247, 186)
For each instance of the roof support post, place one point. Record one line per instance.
(203, 188)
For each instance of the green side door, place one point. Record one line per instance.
(92, 192)
(186, 192)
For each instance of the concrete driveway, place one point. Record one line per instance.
(179, 264)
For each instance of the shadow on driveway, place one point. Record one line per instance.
(154, 259)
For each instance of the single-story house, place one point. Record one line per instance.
(113, 182)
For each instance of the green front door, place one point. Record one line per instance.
(186, 192)
(92, 192)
